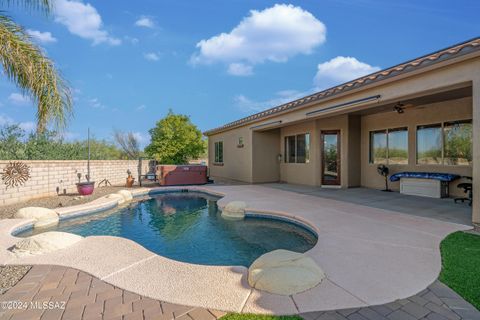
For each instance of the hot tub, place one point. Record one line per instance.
(174, 175)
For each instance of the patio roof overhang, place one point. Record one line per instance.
(373, 104)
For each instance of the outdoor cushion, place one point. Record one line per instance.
(447, 177)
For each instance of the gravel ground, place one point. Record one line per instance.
(10, 275)
(7, 212)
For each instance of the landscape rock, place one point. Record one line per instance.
(119, 197)
(44, 243)
(284, 272)
(127, 195)
(43, 217)
(234, 209)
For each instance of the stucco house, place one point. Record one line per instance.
(422, 115)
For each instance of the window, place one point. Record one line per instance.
(389, 146)
(290, 149)
(447, 144)
(378, 146)
(219, 152)
(397, 146)
(303, 148)
(297, 148)
(240, 142)
(429, 144)
(458, 143)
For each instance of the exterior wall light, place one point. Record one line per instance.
(240, 143)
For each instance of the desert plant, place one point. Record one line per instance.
(129, 143)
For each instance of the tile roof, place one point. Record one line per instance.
(426, 60)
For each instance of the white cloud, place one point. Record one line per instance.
(145, 22)
(239, 69)
(68, 135)
(5, 120)
(76, 92)
(142, 137)
(151, 56)
(248, 105)
(132, 40)
(274, 34)
(336, 71)
(42, 37)
(339, 70)
(141, 107)
(27, 126)
(95, 103)
(19, 99)
(83, 20)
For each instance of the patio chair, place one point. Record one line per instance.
(467, 188)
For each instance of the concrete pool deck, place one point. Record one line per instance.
(370, 256)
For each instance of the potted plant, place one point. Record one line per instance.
(130, 179)
(86, 188)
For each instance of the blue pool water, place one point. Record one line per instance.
(188, 227)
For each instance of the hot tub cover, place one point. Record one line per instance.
(425, 175)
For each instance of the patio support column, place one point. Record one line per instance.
(476, 150)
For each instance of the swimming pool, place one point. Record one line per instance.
(188, 227)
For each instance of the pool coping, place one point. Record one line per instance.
(217, 287)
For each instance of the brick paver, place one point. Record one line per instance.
(437, 302)
(71, 294)
(53, 293)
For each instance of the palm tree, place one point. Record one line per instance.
(26, 64)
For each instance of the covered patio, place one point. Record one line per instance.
(439, 209)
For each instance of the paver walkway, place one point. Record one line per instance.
(437, 302)
(76, 295)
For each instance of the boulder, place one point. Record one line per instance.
(43, 217)
(234, 209)
(284, 272)
(119, 197)
(44, 243)
(127, 195)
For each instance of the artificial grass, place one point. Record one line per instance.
(461, 265)
(248, 316)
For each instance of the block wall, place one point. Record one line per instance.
(49, 178)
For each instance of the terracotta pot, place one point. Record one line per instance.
(130, 181)
(85, 188)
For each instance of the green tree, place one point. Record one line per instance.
(16, 145)
(175, 140)
(12, 145)
(26, 64)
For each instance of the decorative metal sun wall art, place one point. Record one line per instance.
(15, 174)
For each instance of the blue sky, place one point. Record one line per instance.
(216, 61)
